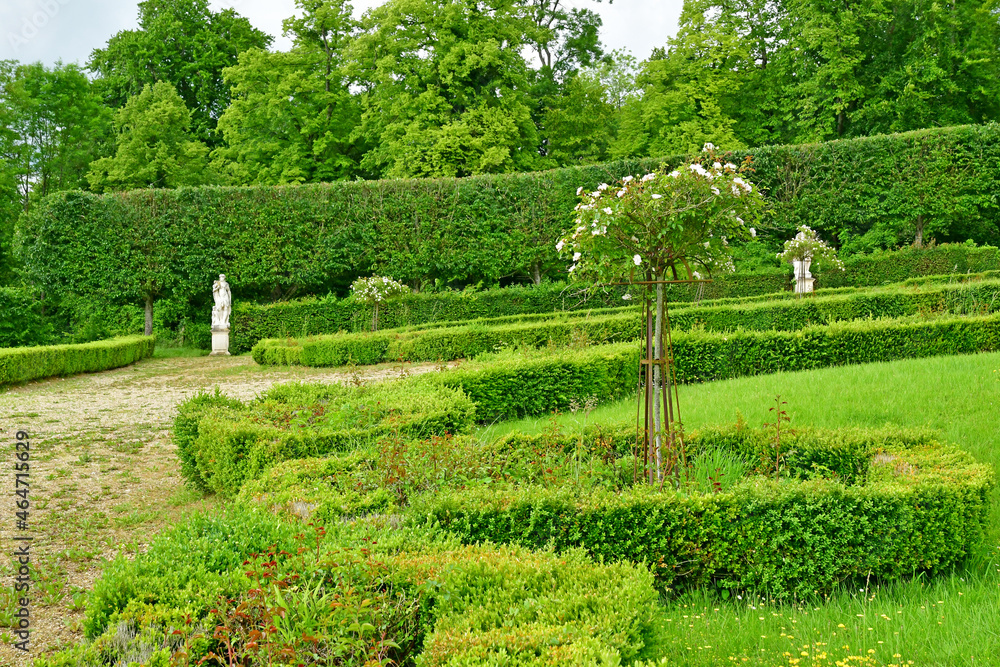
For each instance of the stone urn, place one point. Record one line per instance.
(803, 279)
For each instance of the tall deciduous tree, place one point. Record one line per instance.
(292, 115)
(682, 105)
(185, 43)
(52, 125)
(55, 125)
(445, 88)
(154, 146)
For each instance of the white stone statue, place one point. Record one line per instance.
(220, 316)
(223, 303)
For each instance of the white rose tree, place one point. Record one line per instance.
(662, 227)
(375, 291)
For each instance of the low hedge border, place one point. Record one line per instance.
(222, 442)
(537, 382)
(20, 364)
(468, 341)
(316, 316)
(343, 486)
(921, 508)
(705, 356)
(519, 385)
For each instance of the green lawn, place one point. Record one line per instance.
(949, 620)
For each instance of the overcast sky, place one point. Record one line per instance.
(68, 30)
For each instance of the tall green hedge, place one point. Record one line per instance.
(20, 364)
(21, 322)
(882, 268)
(921, 507)
(273, 242)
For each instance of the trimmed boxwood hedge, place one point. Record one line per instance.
(473, 605)
(704, 356)
(536, 383)
(883, 268)
(222, 442)
(447, 343)
(921, 507)
(20, 364)
(317, 316)
(516, 385)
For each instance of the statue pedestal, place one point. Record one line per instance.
(220, 342)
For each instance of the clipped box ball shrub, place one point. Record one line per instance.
(222, 442)
(905, 504)
(20, 364)
(497, 605)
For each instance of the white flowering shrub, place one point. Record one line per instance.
(375, 291)
(807, 245)
(664, 225)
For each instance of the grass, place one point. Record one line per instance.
(174, 352)
(949, 620)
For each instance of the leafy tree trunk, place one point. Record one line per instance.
(149, 315)
(536, 272)
(919, 238)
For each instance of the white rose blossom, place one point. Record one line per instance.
(637, 260)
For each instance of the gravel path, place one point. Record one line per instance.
(104, 473)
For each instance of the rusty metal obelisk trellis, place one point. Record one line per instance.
(659, 443)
